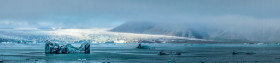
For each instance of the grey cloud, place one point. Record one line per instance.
(110, 13)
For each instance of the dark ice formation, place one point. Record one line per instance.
(143, 46)
(174, 53)
(55, 48)
(247, 53)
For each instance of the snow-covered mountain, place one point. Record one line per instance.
(203, 31)
(155, 28)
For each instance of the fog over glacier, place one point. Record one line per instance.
(223, 28)
(220, 20)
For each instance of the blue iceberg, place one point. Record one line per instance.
(55, 48)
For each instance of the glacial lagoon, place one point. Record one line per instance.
(128, 53)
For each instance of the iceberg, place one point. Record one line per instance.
(143, 46)
(55, 48)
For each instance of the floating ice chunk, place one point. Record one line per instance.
(143, 46)
(51, 47)
(173, 53)
(55, 48)
(85, 47)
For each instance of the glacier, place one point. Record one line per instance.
(78, 36)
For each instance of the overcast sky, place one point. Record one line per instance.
(111, 13)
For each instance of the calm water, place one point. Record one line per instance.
(127, 53)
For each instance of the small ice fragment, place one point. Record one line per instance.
(143, 46)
